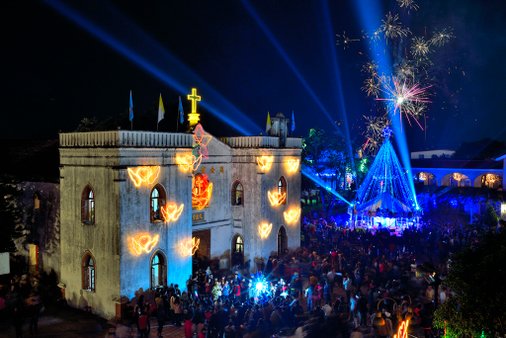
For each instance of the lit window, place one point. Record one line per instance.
(239, 245)
(88, 206)
(36, 201)
(157, 201)
(157, 270)
(237, 194)
(88, 272)
(282, 189)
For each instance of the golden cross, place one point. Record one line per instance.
(194, 98)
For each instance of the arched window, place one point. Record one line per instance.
(239, 244)
(237, 194)
(36, 201)
(237, 250)
(158, 270)
(157, 201)
(282, 187)
(88, 272)
(88, 206)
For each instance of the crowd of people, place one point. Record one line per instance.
(341, 283)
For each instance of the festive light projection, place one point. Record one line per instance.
(171, 211)
(193, 117)
(402, 331)
(200, 136)
(292, 215)
(188, 163)
(292, 165)
(143, 175)
(264, 230)
(276, 198)
(188, 247)
(142, 243)
(265, 162)
(202, 191)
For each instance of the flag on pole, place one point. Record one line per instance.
(131, 109)
(268, 124)
(293, 122)
(181, 112)
(161, 109)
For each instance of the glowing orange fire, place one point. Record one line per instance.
(292, 165)
(141, 243)
(265, 162)
(188, 247)
(264, 229)
(171, 211)
(143, 175)
(276, 198)
(202, 191)
(292, 215)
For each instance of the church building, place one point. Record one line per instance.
(137, 206)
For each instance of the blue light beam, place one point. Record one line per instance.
(117, 32)
(337, 78)
(370, 17)
(253, 13)
(309, 174)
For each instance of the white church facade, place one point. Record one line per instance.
(137, 206)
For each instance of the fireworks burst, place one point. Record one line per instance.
(370, 68)
(441, 38)
(345, 40)
(420, 47)
(408, 4)
(407, 99)
(371, 87)
(374, 132)
(392, 27)
(405, 71)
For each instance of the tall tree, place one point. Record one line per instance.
(10, 216)
(477, 277)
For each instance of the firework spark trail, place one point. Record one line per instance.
(406, 98)
(392, 27)
(408, 4)
(441, 37)
(419, 47)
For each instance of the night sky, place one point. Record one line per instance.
(63, 62)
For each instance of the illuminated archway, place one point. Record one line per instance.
(237, 193)
(88, 205)
(158, 270)
(488, 180)
(157, 200)
(426, 178)
(237, 250)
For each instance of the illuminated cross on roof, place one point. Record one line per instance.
(194, 98)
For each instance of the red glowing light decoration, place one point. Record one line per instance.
(171, 211)
(276, 198)
(265, 162)
(202, 191)
(143, 175)
(264, 229)
(142, 243)
(292, 215)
